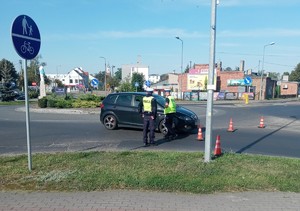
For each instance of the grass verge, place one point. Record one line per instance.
(158, 171)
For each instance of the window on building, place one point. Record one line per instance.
(71, 81)
(76, 81)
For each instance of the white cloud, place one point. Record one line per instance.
(278, 32)
(245, 3)
(143, 33)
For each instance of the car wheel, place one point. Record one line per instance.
(162, 128)
(110, 122)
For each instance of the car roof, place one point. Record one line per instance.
(133, 93)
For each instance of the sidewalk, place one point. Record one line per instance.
(147, 201)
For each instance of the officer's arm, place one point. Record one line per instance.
(154, 106)
(140, 109)
(167, 102)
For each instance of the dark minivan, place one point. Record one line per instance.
(122, 109)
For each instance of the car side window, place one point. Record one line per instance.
(137, 100)
(111, 99)
(124, 100)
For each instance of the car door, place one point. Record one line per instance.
(124, 109)
(136, 117)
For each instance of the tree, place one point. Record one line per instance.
(101, 78)
(286, 73)
(274, 75)
(8, 72)
(7, 86)
(187, 69)
(118, 74)
(164, 77)
(295, 74)
(59, 83)
(126, 86)
(33, 74)
(228, 69)
(138, 78)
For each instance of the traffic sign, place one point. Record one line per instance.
(26, 37)
(94, 82)
(248, 80)
(136, 84)
(148, 83)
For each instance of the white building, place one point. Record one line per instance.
(129, 69)
(75, 80)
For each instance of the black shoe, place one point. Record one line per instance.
(153, 144)
(146, 144)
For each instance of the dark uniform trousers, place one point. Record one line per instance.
(149, 124)
(169, 123)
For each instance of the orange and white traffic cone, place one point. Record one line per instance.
(261, 123)
(200, 136)
(218, 150)
(230, 127)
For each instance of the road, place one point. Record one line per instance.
(79, 132)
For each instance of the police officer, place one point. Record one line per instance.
(148, 110)
(169, 111)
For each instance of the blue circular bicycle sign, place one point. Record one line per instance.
(26, 37)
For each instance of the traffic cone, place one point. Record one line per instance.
(200, 136)
(230, 127)
(261, 123)
(218, 150)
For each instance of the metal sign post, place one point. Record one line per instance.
(27, 117)
(27, 41)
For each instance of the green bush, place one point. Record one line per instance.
(89, 97)
(51, 102)
(62, 103)
(42, 103)
(68, 101)
(85, 104)
(33, 94)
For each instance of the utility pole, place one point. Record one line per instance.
(210, 85)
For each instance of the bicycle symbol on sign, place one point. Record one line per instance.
(26, 47)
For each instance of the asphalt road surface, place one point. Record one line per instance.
(73, 131)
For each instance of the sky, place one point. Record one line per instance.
(78, 33)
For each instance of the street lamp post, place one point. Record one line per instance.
(262, 70)
(112, 70)
(104, 73)
(180, 86)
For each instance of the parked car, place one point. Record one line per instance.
(122, 109)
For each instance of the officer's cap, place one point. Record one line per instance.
(148, 89)
(167, 90)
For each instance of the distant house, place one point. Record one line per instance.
(75, 80)
(154, 78)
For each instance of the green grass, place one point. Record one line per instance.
(159, 171)
(12, 103)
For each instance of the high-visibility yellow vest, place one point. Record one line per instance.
(147, 103)
(172, 106)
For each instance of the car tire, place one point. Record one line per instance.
(162, 128)
(110, 122)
